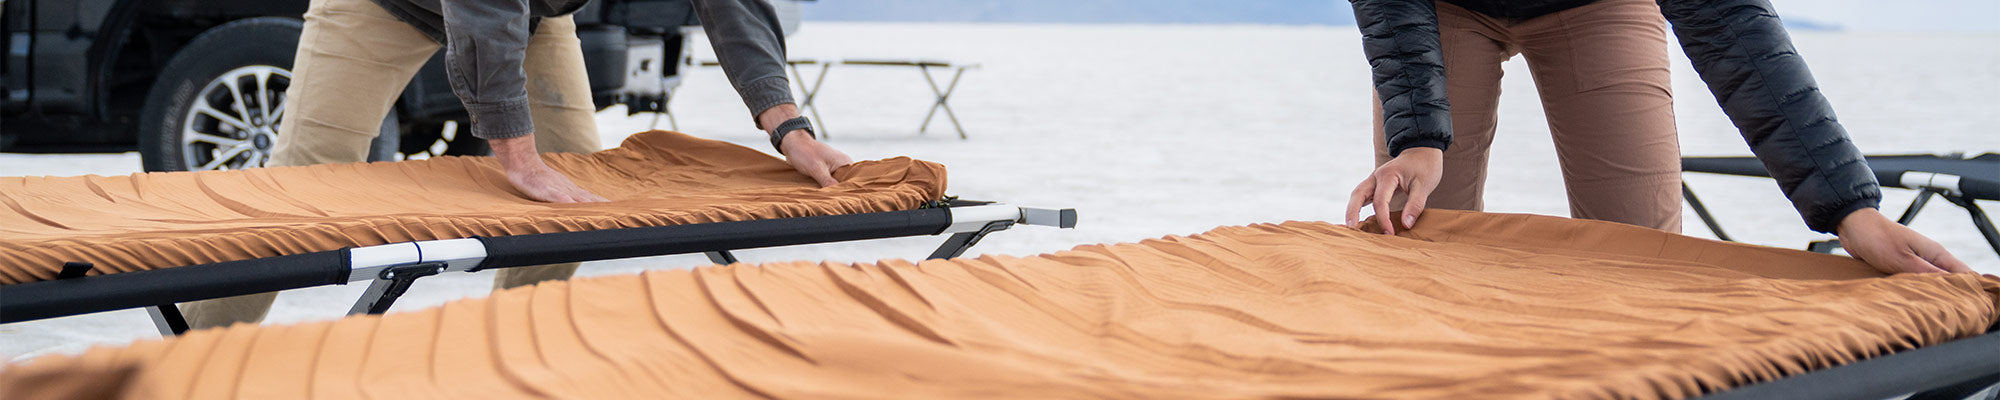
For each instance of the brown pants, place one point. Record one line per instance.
(353, 61)
(1602, 73)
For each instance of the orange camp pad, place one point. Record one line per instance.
(1466, 305)
(158, 220)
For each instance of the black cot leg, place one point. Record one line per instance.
(721, 257)
(168, 318)
(391, 285)
(1979, 220)
(958, 242)
(1702, 211)
(1910, 214)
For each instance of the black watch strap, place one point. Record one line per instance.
(778, 133)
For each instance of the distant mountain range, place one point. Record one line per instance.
(1277, 12)
(1284, 12)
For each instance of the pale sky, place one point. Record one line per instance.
(1854, 15)
(1898, 15)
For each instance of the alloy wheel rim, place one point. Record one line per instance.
(233, 121)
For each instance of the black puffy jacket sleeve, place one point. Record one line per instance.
(1742, 51)
(1400, 38)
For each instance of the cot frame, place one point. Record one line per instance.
(392, 268)
(1962, 185)
(1967, 368)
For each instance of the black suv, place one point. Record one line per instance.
(199, 84)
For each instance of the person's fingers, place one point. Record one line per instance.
(1951, 264)
(1941, 258)
(1384, 190)
(1357, 199)
(1911, 262)
(1413, 207)
(1419, 196)
(825, 179)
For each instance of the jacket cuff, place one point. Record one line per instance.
(1829, 222)
(762, 94)
(1397, 149)
(501, 120)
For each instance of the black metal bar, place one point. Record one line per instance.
(1923, 199)
(956, 245)
(1960, 391)
(1910, 371)
(553, 248)
(391, 285)
(1979, 220)
(57, 298)
(168, 318)
(721, 257)
(48, 299)
(1702, 211)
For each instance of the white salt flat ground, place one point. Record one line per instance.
(1160, 130)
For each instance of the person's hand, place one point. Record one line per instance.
(1415, 171)
(1893, 248)
(812, 157)
(526, 171)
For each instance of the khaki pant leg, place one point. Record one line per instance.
(565, 119)
(1603, 74)
(353, 61)
(559, 90)
(1473, 51)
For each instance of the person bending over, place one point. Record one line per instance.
(517, 65)
(1601, 69)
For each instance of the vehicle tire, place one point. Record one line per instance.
(218, 102)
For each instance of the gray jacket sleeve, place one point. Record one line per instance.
(1400, 38)
(1742, 51)
(751, 48)
(485, 43)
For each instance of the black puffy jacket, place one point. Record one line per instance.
(1738, 46)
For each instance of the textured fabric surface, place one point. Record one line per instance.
(155, 220)
(1464, 306)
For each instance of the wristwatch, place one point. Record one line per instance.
(778, 133)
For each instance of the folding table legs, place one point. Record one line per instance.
(811, 93)
(675, 125)
(943, 98)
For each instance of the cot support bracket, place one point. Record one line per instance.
(1979, 219)
(168, 318)
(390, 285)
(720, 257)
(1702, 211)
(955, 245)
